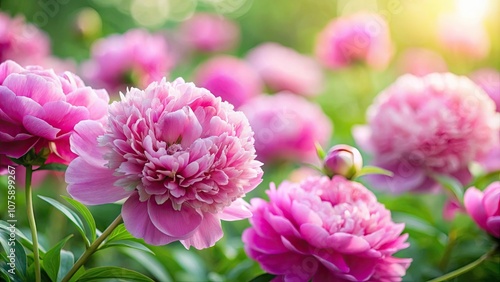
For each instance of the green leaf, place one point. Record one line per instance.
(120, 233)
(21, 237)
(451, 184)
(319, 151)
(19, 252)
(373, 170)
(87, 216)
(266, 277)
(150, 263)
(53, 166)
(108, 272)
(128, 244)
(52, 259)
(71, 215)
(67, 261)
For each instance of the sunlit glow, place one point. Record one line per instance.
(472, 9)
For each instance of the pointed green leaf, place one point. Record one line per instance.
(53, 166)
(266, 277)
(19, 252)
(52, 259)
(373, 170)
(109, 272)
(87, 216)
(71, 215)
(120, 233)
(319, 151)
(4, 226)
(128, 244)
(150, 263)
(451, 184)
(67, 261)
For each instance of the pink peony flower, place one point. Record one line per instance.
(361, 37)
(287, 126)
(484, 207)
(135, 58)
(182, 158)
(22, 42)
(489, 80)
(229, 78)
(421, 62)
(420, 126)
(463, 37)
(209, 33)
(325, 230)
(283, 69)
(39, 110)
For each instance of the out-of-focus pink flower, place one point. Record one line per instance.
(22, 42)
(451, 207)
(181, 157)
(284, 69)
(325, 230)
(489, 80)
(230, 78)
(484, 208)
(209, 33)
(463, 37)
(419, 126)
(135, 58)
(39, 110)
(343, 160)
(361, 37)
(286, 127)
(421, 62)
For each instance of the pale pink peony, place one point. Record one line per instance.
(286, 127)
(181, 157)
(209, 33)
(361, 37)
(135, 58)
(230, 78)
(463, 37)
(22, 42)
(420, 126)
(39, 109)
(325, 230)
(484, 207)
(420, 62)
(284, 69)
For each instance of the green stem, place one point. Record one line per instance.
(449, 248)
(32, 223)
(466, 268)
(93, 248)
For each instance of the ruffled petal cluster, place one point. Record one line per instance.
(40, 109)
(325, 229)
(420, 126)
(484, 207)
(182, 159)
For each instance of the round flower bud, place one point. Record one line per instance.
(343, 160)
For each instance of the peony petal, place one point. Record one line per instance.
(491, 199)
(473, 204)
(493, 224)
(239, 209)
(303, 214)
(176, 223)
(206, 235)
(84, 142)
(347, 243)
(92, 185)
(39, 127)
(137, 221)
(314, 235)
(263, 244)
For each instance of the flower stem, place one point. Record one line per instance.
(466, 268)
(32, 223)
(92, 249)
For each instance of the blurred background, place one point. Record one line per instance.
(417, 29)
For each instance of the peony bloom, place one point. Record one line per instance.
(209, 33)
(229, 78)
(421, 62)
(325, 230)
(287, 126)
(22, 42)
(182, 159)
(135, 58)
(361, 37)
(283, 69)
(420, 126)
(39, 110)
(484, 207)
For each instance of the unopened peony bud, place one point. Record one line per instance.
(343, 160)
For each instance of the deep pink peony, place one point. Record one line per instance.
(22, 42)
(209, 33)
(463, 37)
(181, 157)
(287, 126)
(484, 207)
(39, 109)
(361, 37)
(135, 58)
(421, 62)
(284, 69)
(421, 126)
(325, 230)
(230, 78)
